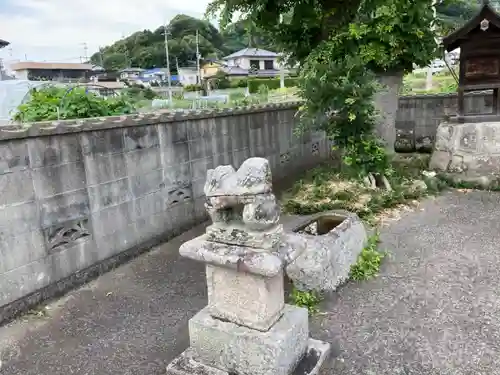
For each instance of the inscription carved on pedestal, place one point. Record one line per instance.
(481, 67)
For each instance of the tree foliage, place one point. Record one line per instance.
(245, 33)
(146, 49)
(296, 26)
(451, 14)
(341, 45)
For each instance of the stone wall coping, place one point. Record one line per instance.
(59, 127)
(441, 95)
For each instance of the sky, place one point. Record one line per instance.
(56, 30)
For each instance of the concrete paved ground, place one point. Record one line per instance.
(434, 309)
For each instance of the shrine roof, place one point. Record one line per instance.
(453, 40)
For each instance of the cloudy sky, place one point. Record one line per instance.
(55, 30)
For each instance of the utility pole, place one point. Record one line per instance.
(169, 83)
(85, 51)
(127, 55)
(428, 83)
(198, 77)
(101, 60)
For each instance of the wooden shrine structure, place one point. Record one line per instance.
(479, 43)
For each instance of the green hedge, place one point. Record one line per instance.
(192, 88)
(271, 83)
(238, 82)
(291, 82)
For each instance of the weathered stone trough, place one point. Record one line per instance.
(333, 242)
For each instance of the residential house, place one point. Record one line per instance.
(105, 76)
(256, 58)
(211, 67)
(187, 76)
(156, 73)
(107, 88)
(131, 73)
(46, 71)
(256, 61)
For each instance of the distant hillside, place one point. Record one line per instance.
(146, 49)
(454, 13)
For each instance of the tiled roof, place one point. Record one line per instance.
(23, 65)
(108, 85)
(132, 70)
(251, 52)
(237, 71)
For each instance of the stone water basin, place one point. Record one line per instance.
(333, 240)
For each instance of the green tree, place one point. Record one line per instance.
(114, 61)
(341, 46)
(245, 33)
(146, 49)
(453, 13)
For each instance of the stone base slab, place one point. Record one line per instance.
(310, 364)
(237, 349)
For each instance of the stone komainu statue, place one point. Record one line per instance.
(242, 206)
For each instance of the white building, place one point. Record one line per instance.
(37, 71)
(131, 73)
(259, 59)
(187, 76)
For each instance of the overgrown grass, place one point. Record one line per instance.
(325, 188)
(368, 263)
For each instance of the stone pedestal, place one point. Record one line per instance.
(246, 329)
(253, 301)
(468, 151)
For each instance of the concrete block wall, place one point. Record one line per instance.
(418, 116)
(78, 194)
